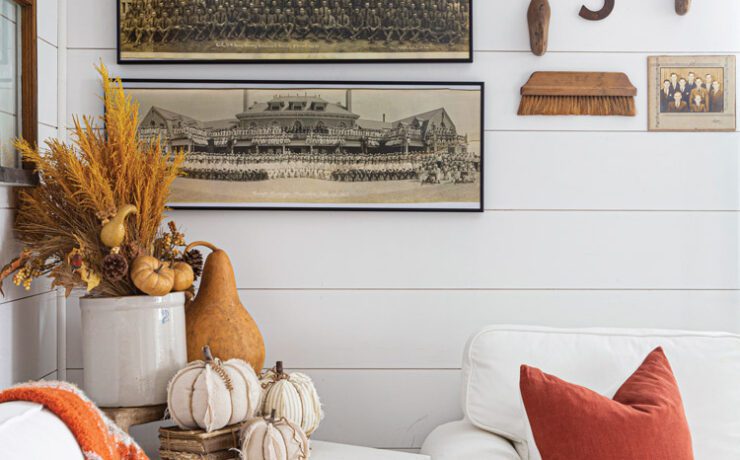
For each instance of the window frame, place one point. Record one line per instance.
(29, 94)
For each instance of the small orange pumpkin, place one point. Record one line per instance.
(184, 276)
(152, 276)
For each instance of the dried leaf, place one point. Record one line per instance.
(90, 277)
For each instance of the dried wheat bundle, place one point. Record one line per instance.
(82, 185)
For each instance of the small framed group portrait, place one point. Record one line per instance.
(319, 145)
(283, 31)
(692, 93)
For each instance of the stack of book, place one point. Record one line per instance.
(178, 444)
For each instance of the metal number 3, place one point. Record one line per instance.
(598, 15)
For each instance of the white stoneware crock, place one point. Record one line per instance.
(131, 347)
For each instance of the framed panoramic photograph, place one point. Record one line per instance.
(197, 31)
(691, 93)
(319, 145)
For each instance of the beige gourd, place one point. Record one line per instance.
(292, 396)
(273, 438)
(114, 231)
(211, 394)
(151, 276)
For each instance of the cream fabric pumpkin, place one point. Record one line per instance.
(210, 395)
(273, 439)
(292, 396)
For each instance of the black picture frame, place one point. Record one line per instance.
(184, 83)
(124, 61)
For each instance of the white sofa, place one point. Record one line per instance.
(495, 427)
(23, 424)
(29, 431)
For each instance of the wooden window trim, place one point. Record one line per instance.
(29, 93)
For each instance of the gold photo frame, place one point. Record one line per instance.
(293, 31)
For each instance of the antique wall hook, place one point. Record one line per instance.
(538, 17)
(602, 13)
(682, 6)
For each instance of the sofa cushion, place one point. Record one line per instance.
(645, 420)
(706, 366)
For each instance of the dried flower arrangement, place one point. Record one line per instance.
(96, 216)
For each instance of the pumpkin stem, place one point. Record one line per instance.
(279, 368)
(195, 244)
(217, 367)
(207, 353)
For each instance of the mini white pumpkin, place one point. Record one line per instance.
(210, 395)
(292, 396)
(273, 439)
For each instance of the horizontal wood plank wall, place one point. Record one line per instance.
(28, 319)
(28, 328)
(590, 222)
(28, 336)
(427, 329)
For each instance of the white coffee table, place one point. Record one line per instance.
(330, 451)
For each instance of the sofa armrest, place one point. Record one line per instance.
(463, 441)
(28, 430)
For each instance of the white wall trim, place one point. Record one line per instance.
(62, 134)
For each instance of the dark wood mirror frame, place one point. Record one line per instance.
(29, 93)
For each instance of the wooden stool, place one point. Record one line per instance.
(126, 417)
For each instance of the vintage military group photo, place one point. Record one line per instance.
(294, 30)
(251, 145)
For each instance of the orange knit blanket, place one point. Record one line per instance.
(98, 437)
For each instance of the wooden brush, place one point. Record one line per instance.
(578, 93)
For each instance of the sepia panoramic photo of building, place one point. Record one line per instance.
(302, 146)
(305, 124)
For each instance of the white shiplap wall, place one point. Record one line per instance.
(28, 320)
(590, 221)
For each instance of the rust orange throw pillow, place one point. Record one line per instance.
(644, 421)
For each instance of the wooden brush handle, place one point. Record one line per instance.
(538, 17)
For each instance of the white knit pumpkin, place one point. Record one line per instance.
(273, 439)
(210, 395)
(292, 396)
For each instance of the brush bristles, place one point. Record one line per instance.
(578, 105)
